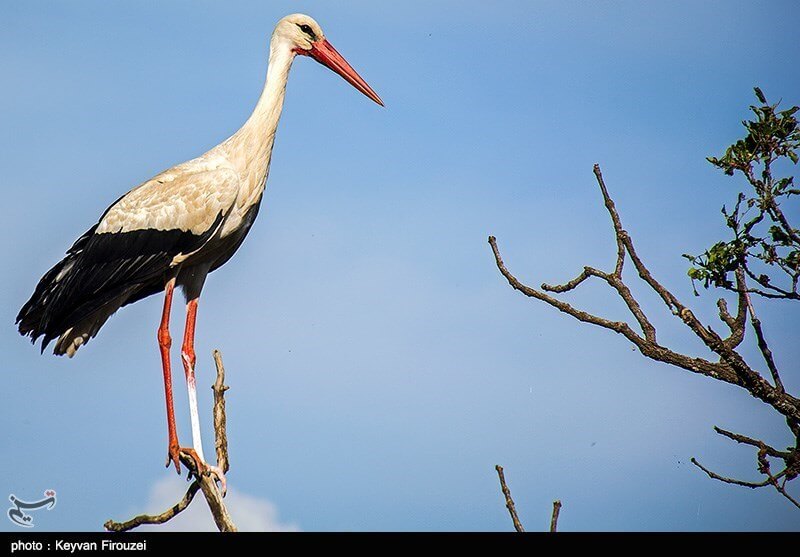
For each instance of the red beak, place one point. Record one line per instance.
(324, 53)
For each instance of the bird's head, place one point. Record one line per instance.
(305, 37)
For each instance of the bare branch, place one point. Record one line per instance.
(715, 476)
(735, 324)
(764, 347)
(624, 292)
(708, 336)
(616, 221)
(616, 326)
(554, 519)
(778, 215)
(725, 315)
(652, 350)
(745, 440)
(737, 332)
(143, 519)
(615, 281)
(777, 292)
(782, 490)
(731, 367)
(212, 494)
(567, 286)
(204, 480)
(764, 451)
(764, 468)
(509, 501)
(623, 238)
(711, 339)
(220, 420)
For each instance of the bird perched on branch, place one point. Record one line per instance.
(174, 229)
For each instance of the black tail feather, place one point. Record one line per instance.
(100, 274)
(32, 318)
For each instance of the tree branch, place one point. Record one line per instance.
(791, 460)
(745, 440)
(615, 281)
(509, 501)
(763, 467)
(764, 347)
(554, 518)
(777, 293)
(623, 238)
(731, 366)
(143, 519)
(735, 324)
(715, 476)
(206, 480)
(220, 419)
(652, 350)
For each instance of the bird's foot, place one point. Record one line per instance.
(219, 476)
(174, 456)
(205, 469)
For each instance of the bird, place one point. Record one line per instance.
(172, 230)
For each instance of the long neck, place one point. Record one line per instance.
(250, 148)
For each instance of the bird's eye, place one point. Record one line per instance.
(308, 31)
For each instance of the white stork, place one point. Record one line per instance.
(174, 229)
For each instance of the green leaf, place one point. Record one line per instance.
(771, 138)
(779, 236)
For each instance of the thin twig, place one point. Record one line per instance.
(745, 440)
(623, 237)
(554, 519)
(220, 420)
(764, 468)
(143, 519)
(617, 222)
(715, 476)
(781, 488)
(567, 286)
(777, 292)
(615, 281)
(764, 451)
(764, 347)
(735, 324)
(509, 501)
(725, 315)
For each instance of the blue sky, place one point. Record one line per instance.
(379, 364)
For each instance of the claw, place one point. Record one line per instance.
(199, 465)
(173, 457)
(203, 468)
(219, 475)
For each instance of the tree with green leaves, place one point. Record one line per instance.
(764, 245)
(760, 260)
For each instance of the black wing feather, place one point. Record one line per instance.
(104, 269)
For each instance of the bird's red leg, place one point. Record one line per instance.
(164, 344)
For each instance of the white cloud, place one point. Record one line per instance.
(250, 514)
